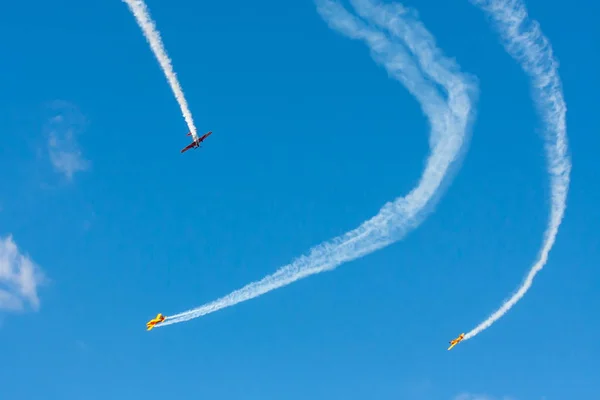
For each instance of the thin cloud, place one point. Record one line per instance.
(19, 278)
(63, 149)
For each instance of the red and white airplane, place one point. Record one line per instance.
(195, 143)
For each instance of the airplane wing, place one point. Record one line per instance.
(195, 143)
(207, 134)
(451, 346)
(189, 146)
(152, 324)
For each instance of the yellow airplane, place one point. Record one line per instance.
(456, 341)
(159, 318)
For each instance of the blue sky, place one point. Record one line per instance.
(311, 138)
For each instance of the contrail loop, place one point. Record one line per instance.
(526, 43)
(449, 109)
(142, 16)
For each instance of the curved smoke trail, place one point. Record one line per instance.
(524, 40)
(142, 16)
(410, 56)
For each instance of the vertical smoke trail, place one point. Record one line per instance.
(524, 40)
(142, 16)
(446, 97)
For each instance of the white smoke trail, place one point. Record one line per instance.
(450, 119)
(524, 40)
(142, 16)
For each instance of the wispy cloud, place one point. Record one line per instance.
(19, 278)
(63, 149)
